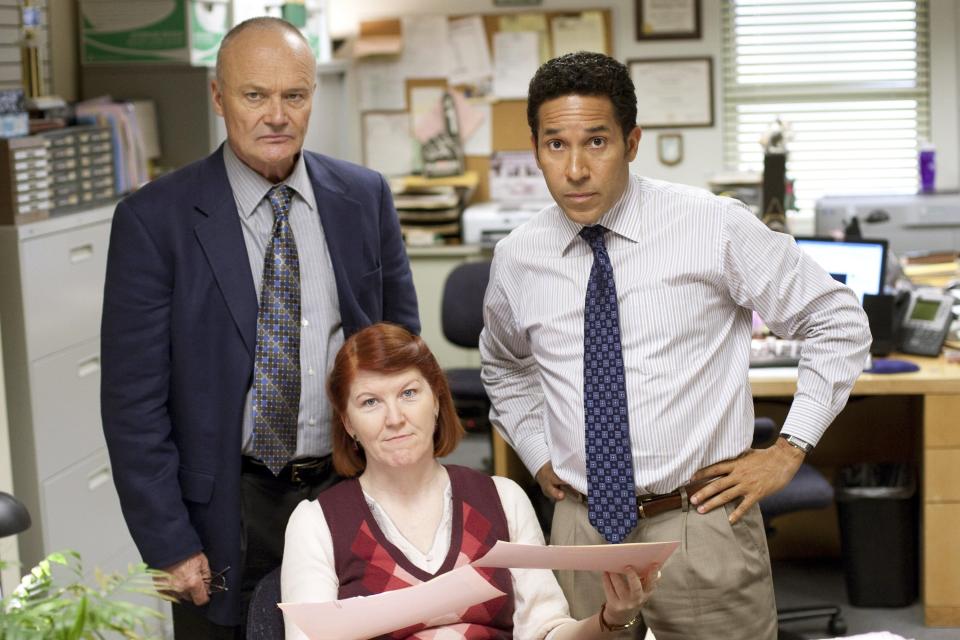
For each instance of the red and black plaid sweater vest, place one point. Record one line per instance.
(367, 563)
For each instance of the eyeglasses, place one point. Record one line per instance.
(217, 582)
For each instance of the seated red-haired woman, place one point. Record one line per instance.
(401, 517)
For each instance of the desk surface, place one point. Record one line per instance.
(935, 376)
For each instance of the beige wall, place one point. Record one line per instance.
(63, 49)
(704, 147)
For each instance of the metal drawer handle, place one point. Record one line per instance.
(97, 479)
(81, 253)
(88, 366)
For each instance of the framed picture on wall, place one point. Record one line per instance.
(667, 19)
(673, 92)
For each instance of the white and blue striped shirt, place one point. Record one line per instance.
(689, 266)
(321, 334)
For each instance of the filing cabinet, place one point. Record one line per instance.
(51, 295)
(25, 193)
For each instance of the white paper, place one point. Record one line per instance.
(585, 32)
(381, 85)
(387, 144)
(371, 616)
(469, 51)
(602, 557)
(516, 178)
(426, 47)
(481, 142)
(536, 22)
(515, 61)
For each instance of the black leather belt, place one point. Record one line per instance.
(299, 472)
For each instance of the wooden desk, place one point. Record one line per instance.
(937, 385)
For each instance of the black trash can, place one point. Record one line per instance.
(878, 511)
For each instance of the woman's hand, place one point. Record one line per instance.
(626, 592)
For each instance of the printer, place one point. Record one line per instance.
(486, 223)
(908, 222)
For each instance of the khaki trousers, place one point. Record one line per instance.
(717, 584)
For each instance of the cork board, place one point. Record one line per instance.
(509, 129)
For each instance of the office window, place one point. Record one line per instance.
(849, 76)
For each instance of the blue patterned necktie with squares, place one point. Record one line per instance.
(611, 494)
(276, 366)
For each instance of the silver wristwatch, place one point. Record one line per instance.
(803, 445)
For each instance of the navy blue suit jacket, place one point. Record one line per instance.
(178, 334)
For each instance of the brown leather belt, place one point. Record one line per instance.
(653, 504)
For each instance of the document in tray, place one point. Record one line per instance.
(372, 616)
(601, 557)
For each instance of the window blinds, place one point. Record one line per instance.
(849, 77)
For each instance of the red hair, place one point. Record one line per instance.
(386, 348)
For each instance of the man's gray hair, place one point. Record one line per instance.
(261, 23)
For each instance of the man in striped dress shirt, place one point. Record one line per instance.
(688, 269)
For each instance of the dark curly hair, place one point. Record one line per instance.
(585, 74)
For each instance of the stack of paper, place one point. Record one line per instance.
(430, 213)
(129, 154)
(372, 616)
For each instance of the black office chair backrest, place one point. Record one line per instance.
(264, 618)
(461, 314)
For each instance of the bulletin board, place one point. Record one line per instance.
(509, 130)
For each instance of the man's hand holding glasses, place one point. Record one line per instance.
(191, 580)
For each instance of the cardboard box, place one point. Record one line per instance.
(188, 31)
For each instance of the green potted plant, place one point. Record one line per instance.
(42, 609)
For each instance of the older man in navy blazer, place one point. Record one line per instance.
(193, 256)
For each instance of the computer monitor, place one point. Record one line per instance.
(859, 264)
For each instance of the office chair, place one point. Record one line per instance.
(807, 490)
(14, 518)
(461, 320)
(264, 618)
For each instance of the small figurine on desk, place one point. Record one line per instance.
(774, 142)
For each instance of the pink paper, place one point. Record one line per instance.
(602, 557)
(433, 123)
(371, 616)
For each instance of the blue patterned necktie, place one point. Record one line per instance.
(611, 494)
(276, 367)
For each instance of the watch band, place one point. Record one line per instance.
(606, 626)
(803, 445)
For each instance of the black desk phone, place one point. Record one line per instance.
(925, 321)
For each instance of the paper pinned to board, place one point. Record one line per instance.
(535, 22)
(515, 60)
(380, 84)
(372, 616)
(586, 32)
(602, 557)
(426, 42)
(388, 145)
(471, 54)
